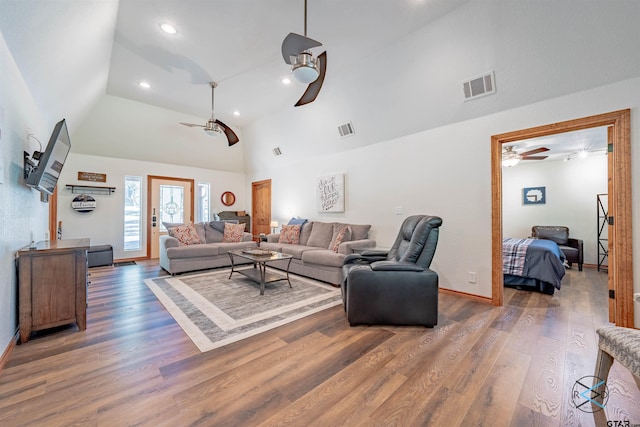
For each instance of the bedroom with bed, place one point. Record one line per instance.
(550, 209)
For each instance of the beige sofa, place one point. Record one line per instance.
(176, 258)
(313, 257)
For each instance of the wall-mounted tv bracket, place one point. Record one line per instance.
(29, 165)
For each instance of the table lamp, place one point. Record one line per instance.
(274, 225)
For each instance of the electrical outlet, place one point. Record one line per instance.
(473, 277)
(398, 210)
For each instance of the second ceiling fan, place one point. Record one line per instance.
(213, 126)
(304, 67)
(511, 158)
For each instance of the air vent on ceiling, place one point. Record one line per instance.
(479, 86)
(277, 151)
(346, 130)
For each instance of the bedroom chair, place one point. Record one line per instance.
(395, 287)
(571, 248)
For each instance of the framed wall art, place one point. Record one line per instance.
(534, 196)
(330, 193)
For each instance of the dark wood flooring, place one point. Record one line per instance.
(496, 366)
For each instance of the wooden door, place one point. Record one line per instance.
(261, 207)
(169, 200)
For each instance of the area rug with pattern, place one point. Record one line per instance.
(215, 310)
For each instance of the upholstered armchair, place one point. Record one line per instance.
(395, 287)
(571, 248)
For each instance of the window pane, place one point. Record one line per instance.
(203, 202)
(132, 213)
(171, 205)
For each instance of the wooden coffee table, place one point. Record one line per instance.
(259, 272)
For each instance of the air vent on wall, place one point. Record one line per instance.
(277, 151)
(479, 86)
(346, 130)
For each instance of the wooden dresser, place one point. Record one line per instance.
(52, 280)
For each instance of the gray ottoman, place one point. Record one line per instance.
(99, 256)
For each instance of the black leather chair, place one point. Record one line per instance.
(571, 248)
(395, 287)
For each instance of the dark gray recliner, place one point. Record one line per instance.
(573, 249)
(395, 287)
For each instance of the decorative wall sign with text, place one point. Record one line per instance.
(534, 196)
(330, 193)
(92, 176)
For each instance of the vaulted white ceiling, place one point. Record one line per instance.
(394, 67)
(76, 50)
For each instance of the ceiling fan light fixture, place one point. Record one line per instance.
(510, 162)
(305, 68)
(510, 158)
(212, 129)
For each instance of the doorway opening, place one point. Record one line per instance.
(620, 272)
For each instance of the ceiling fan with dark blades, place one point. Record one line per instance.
(510, 157)
(213, 126)
(304, 67)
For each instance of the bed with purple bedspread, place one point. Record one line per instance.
(532, 264)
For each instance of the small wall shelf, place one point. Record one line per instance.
(90, 189)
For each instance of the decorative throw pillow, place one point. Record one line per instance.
(290, 234)
(233, 232)
(321, 234)
(186, 234)
(343, 235)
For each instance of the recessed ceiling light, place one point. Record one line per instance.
(144, 85)
(168, 28)
(236, 113)
(286, 80)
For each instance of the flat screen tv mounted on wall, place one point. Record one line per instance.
(45, 174)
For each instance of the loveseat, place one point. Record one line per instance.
(206, 249)
(319, 249)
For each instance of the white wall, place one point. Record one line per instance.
(571, 189)
(443, 171)
(21, 212)
(105, 224)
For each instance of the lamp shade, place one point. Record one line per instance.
(274, 224)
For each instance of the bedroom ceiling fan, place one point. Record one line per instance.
(213, 127)
(512, 158)
(304, 67)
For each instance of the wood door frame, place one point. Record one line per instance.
(150, 179)
(53, 215)
(621, 255)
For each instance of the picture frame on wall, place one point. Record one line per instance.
(534, 196)
(330, 193)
